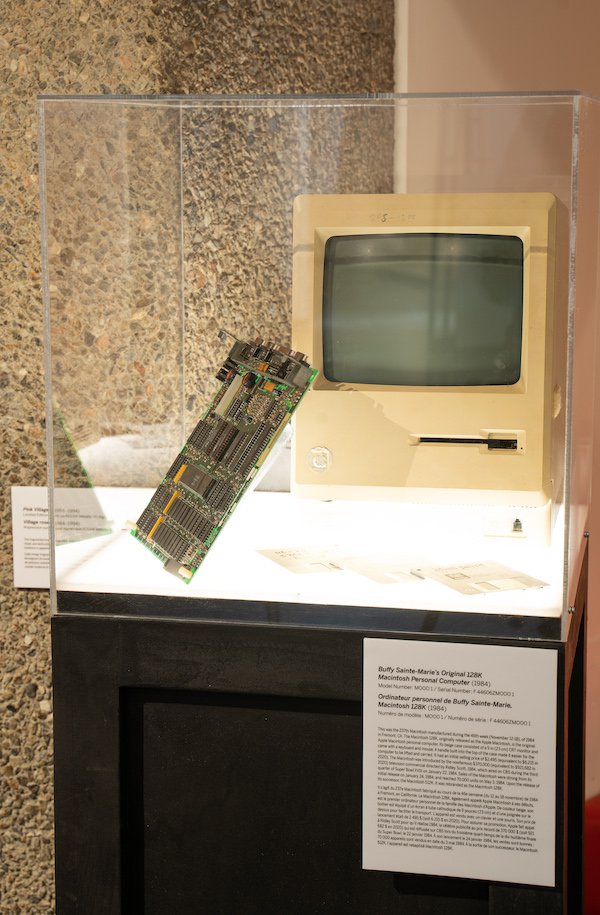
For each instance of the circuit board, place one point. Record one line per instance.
(261, 387)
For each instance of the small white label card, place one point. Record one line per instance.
(381, 569)
(480, 578)
(459, 760)
(31, 547)
(303, 561)
(78, 515)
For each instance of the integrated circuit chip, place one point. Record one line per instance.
(168, 540)
(262, 384)
(195, 479)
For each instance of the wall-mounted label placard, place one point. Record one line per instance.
(459, 768)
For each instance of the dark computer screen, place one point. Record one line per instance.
(423, 309)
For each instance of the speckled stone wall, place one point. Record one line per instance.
(100, 47)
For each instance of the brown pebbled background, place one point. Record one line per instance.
(113, 47)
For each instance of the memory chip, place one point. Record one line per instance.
(195, 479)
(170, 541)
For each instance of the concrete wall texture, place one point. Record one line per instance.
(113, 47)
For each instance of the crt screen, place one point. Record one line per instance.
(423, 309)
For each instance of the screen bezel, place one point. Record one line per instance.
(327, 332)
(322, 236)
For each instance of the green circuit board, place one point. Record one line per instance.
(262, 385)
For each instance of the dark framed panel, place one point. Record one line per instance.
(216, 767)
(225, 793)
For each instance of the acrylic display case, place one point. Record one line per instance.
(165, 219)
(221, 721)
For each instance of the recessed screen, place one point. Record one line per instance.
(423, 309)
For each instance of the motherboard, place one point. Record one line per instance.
(261, 386)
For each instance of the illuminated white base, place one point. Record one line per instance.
(485, 512)
(404, 536)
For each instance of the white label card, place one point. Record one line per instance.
(382, 569)
(78, 516)
(31, 547)
(459, 760)
(480, 578)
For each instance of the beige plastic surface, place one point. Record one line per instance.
(357, 441)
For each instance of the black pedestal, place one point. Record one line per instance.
(211, 763)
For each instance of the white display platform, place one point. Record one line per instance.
(375, 543)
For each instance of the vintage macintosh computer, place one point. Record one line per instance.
(437, 323)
